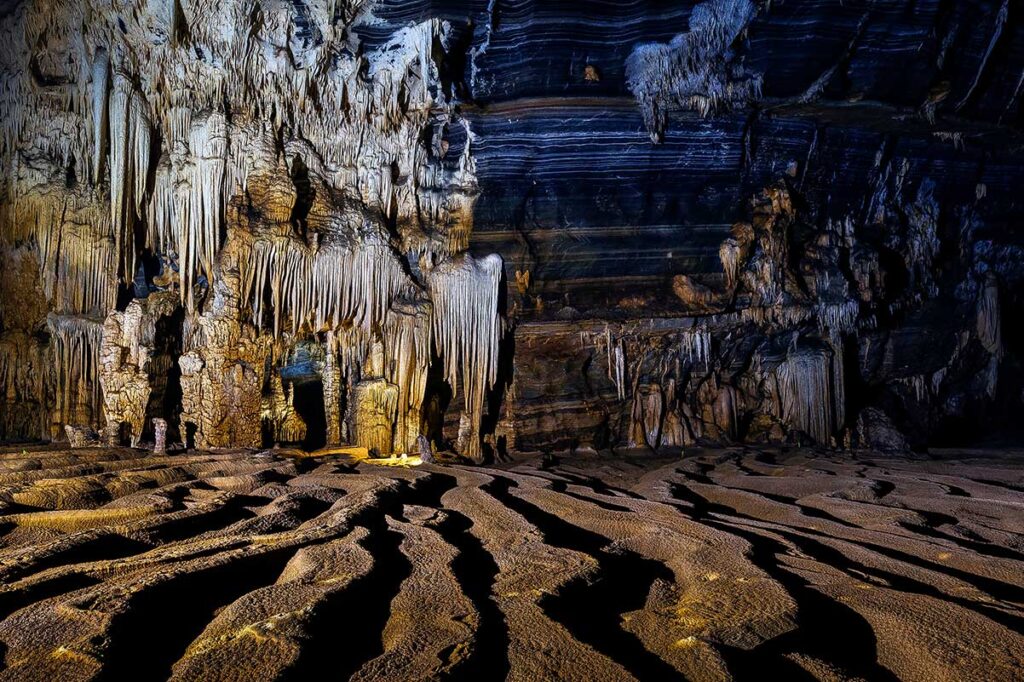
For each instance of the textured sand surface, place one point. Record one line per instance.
(115, 565)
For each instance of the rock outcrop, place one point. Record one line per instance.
(511, 228)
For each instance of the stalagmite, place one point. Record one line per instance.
(407, 339)
(279, 410)
(989, 323)
(159, 436)
(81, 436)
(331, 377)
(646, 417)
(374, 410)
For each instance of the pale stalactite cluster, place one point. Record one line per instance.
(467, 329)
(323, 288)
(695, 70)
(295, 186)
(129, 167)
(76, 352)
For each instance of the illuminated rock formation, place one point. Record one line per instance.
(510, 228)
(291, 183)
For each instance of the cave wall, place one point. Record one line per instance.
(710, 221)
(893, 129)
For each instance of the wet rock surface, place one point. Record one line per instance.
(730, 564)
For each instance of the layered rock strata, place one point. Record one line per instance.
(721, 220)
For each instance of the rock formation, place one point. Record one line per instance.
(292, 183)
(524, 227)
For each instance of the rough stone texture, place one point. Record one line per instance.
(81, 436)
(135, 360)
(724, 220)
(730, 564)
(159, 436)
(293, 187)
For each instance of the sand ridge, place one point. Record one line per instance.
(725, 564)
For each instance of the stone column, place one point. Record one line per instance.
(159, 436)
(331, 378)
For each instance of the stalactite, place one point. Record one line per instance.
(189, 195)
(76, 347)
(696, 69)
(838, 317)
(806, 388)
(100, 90)
(729, 253)
(616, 363)
(160, 220)
(696, 344)
(77, 258)
(407, 341)
(129, 167)
(201, 202)
(468, 328)
(324, 288)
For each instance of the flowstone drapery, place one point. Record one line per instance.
(292, 185)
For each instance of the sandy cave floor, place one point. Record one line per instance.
(116, 564)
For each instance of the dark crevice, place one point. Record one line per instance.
(592, 608)
(13, 600)
(978, 546)
(231, 512)
(826, 628)
(829, 556)
(476, 571)
(100, 548)
(163, 619)
(345, 630)
(598, 486)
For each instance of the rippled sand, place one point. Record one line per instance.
(115, 564)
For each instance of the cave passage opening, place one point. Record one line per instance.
(308, 401)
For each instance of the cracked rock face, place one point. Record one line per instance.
(511, 226)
